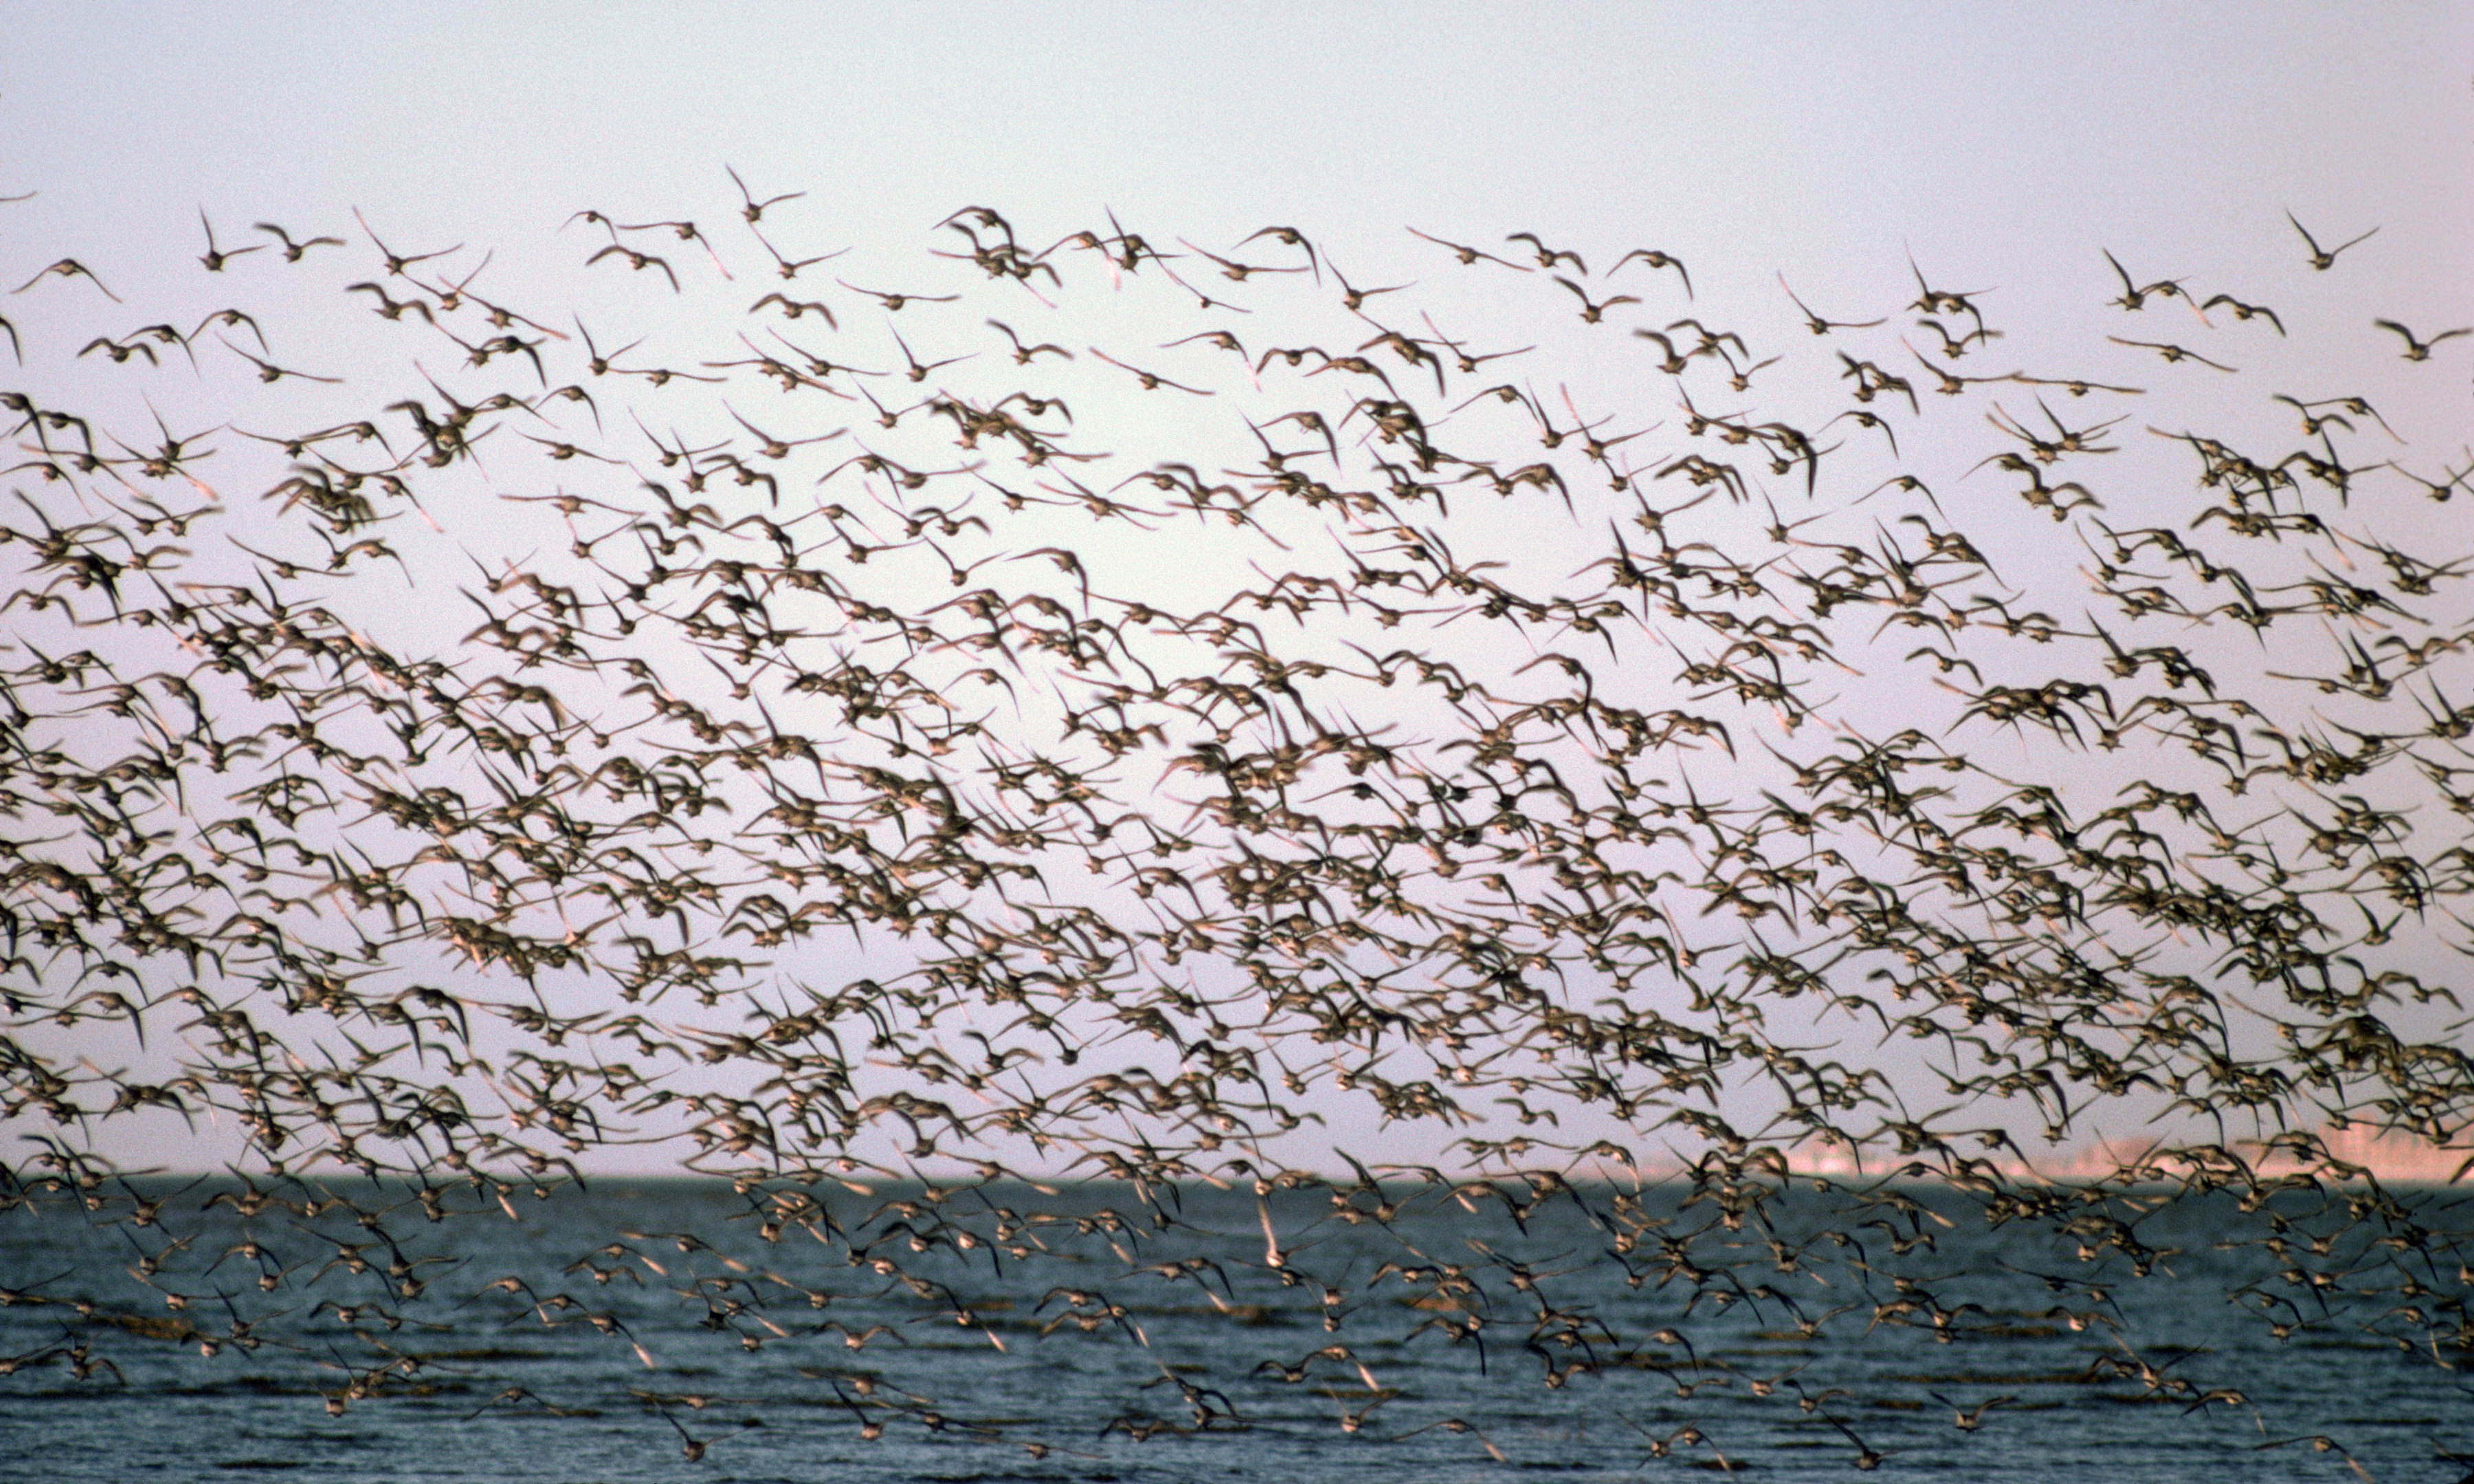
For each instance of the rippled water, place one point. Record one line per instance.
(741, 1362)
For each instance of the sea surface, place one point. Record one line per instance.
(608, 1333)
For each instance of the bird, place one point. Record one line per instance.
(1592, 311)
(1232, 269)
(389, 308)
(2325, 258)
(1151, 381)
(1967, 1419)
(2243, 311)
(294, 251)
(1291, 237)
(2135, 295)
(395, 262)
(267, 370)
(1353, 299)
(1867, 1457)
(1815, 323)
(752, 209)
(2171, 353)
(213, 259)
(230, 318)
(1932, 301)
(893, 303)
(1022, 353)
(788, 268)
(120, 350)
(918, 370)
(793, 308)
(1650, 257)
(1470, 255)
(691, 1446)
(67, 268)
(1548, 257)
(639, 261)
(2419, 349)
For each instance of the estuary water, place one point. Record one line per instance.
(665, 1330)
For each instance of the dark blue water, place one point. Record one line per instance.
(1002, 1333)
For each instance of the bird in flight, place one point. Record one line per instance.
(2325, 258)
(1469, 255)
(1652, 259)
(212, 257)
(67, 268)
(751, 209)
(293, 251)
(2419, 349)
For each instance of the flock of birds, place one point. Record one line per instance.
(859, 769)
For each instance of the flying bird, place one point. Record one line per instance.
(2325, 258)
(2419, 349)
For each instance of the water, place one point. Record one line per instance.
(1610, 1325)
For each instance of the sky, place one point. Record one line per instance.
(1757, 135)
(1993, 146)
